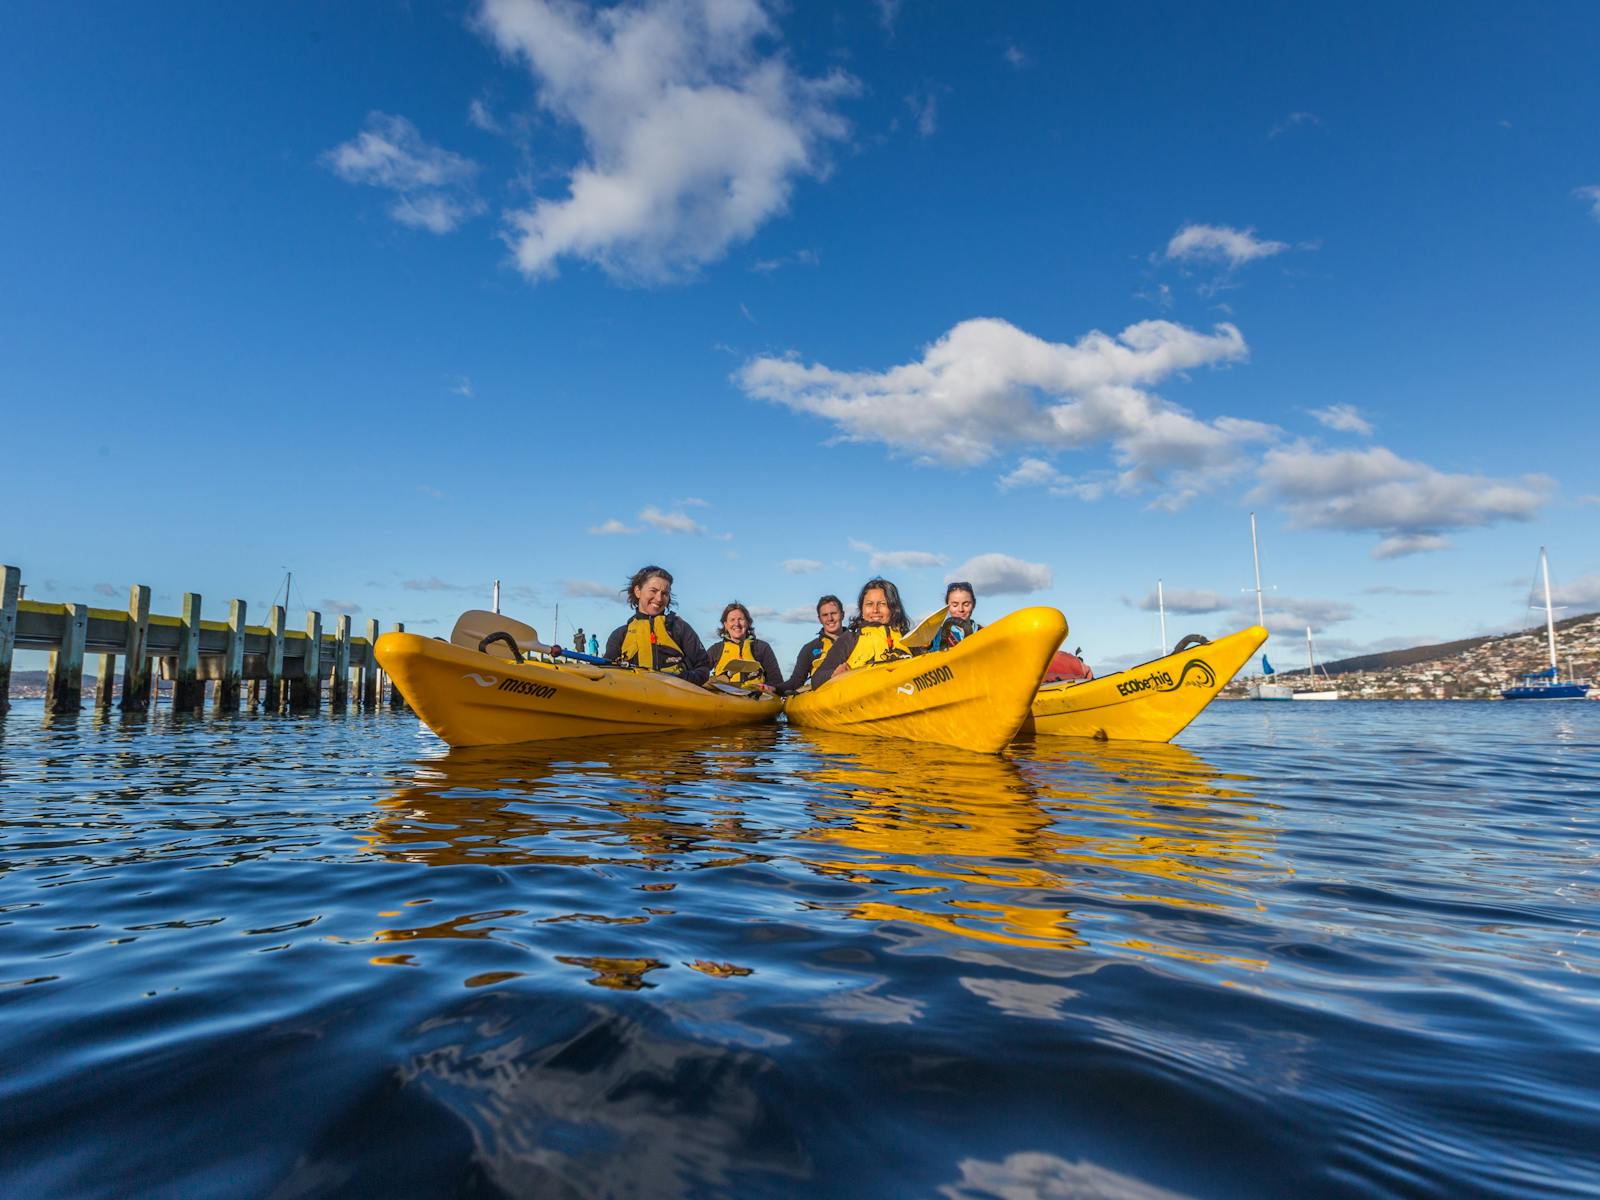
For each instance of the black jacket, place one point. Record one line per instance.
(695, 667)
(809, 653)
(760, 653)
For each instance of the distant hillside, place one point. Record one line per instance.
(1418, 654)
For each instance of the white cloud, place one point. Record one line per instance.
(1592, 195)
(802, 566)
(1294, 121)
(1220, 243)
(588, 589)
(693, 136)
(479, 114)
(803, 615)
(433, 187)
(924, 108)
(611, 526)
(1188, 601)
(1398, 545)
(1375, 490)
(1582, 592)
(986, 385)
(669, 522)
(896, 560)
(1343, 417)
(1002, 575)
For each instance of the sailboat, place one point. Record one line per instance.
(1315, 693)
(1546, 684)
(1262, 689)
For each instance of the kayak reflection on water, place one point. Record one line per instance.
(939, 842)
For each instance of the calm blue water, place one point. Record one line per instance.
(1348, 949)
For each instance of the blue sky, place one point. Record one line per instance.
(410, 299)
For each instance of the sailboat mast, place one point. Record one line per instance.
(1161, 604)
(1255, 552)
(1549, 610)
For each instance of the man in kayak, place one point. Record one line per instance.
(874, 636)
(830, 616)
(732, 658)
(655, 638)
(959, 601)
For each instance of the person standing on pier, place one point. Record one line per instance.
(656, 638)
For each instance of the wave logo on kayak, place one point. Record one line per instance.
(926, 680)
(1162, 681)
(481, 680)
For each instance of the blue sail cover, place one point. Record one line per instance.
(1266, 667)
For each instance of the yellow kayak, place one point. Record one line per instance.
(470, 698)
(1149, 703)
(974, 695)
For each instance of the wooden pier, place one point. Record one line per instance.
(267, 665)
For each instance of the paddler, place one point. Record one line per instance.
(830, 618)
(656, 638)
(740, 657)
(959, 601)
(875, 635)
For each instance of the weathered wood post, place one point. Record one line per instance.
(232, 659)
(272, 694)
(136, 673)
(307, 689)
(396, 700)
(188, 689)
(10, 593)
(64, 685)
(369, 669)
(105, 682)
(341, 663)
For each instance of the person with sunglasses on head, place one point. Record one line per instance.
(741, 658)
(959, 600)
(656, 638)
(875, 635)
(830, 619)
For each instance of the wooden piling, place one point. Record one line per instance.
(105, 682)
(272, 696)
(396, 700)
(307, 690)
(341, 662)
(227, 698)
(369, 669)
(64, 684)
(136, 673)
(188, 689)
(10, 593)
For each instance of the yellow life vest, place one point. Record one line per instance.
(822, 653)
(647, 644)
(876, 644)
(733, 652)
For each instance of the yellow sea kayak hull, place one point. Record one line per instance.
(1149, 703)
(974, 696)
(473, 699)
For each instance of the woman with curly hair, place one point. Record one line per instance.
(740, 657)
(655, 637)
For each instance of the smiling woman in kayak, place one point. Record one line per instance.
(655, 638)
(959, 600)
(732, 658)
(873, 637)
